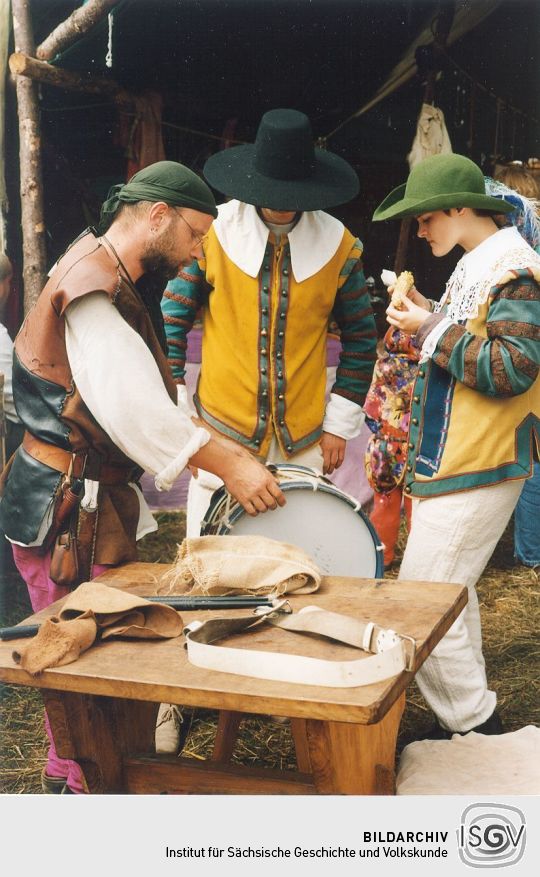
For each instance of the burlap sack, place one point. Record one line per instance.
(94, 610)
(219, 565)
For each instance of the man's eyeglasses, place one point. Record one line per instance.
(199, 239)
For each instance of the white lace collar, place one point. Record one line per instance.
(480, 269)
(487, 253)
(243, 235)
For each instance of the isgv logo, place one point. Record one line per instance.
(491, 835)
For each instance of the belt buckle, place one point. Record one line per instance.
(410, 653)
(279, 607)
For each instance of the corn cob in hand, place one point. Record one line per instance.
(404, 283)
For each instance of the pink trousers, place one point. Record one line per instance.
(34, 569)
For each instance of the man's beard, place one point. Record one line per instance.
(157, 258)
(159, 264)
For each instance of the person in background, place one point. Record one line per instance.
(14, 427)
(475, 413)
(508, 181)
(94, 391)
(519, 179)
(387, 409)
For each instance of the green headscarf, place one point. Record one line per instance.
(166, 181)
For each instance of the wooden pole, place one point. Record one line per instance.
(72, 29)
(24, 65)
(403, 244)
(443, 23)
(497, 131)
(472, 120)
(405, 225)
(31, 184)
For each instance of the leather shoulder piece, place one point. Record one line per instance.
(86, 267)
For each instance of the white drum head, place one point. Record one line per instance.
(323, 522)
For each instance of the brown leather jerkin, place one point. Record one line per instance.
(88, 268)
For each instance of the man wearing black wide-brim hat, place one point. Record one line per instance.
(278, 266)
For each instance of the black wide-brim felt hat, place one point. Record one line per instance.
(283, 170)
(440, 182)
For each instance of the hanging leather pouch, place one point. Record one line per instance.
(64, 568)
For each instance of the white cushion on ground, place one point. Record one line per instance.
(475, 764)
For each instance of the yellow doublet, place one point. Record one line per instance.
(264, 347)
(493, 422)
(461, 438)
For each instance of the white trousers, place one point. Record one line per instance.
(201, 489)
(452, 538)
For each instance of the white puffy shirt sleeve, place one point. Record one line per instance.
(120, 383)
(343, 417)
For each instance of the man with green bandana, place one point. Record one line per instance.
(94, 391)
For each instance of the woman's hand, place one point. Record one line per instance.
(411, 316)
(419, 299)
(415, 297)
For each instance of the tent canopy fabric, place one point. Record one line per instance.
(220, 64)
(467, 16)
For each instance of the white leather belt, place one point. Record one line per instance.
(391, 652)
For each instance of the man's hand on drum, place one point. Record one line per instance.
(333, 451)
(253, 485)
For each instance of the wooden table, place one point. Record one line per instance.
(103, 707)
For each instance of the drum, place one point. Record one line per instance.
(318, 517)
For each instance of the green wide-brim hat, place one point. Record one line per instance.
(283, 170)
(440, 182)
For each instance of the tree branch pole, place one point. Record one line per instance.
(69, 31)
(31, 183)
(23, 65)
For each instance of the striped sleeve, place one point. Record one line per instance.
(507, 362)
(180, 303)
(354, 316)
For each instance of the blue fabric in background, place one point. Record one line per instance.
(527, 522)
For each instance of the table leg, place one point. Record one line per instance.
(226, 735)
(301, 746)
(352, 759)
(98, 732)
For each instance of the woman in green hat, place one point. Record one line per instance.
(475, 412)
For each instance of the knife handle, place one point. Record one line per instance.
(18, 632)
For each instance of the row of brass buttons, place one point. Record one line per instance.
(414, 421)
(279, 353)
